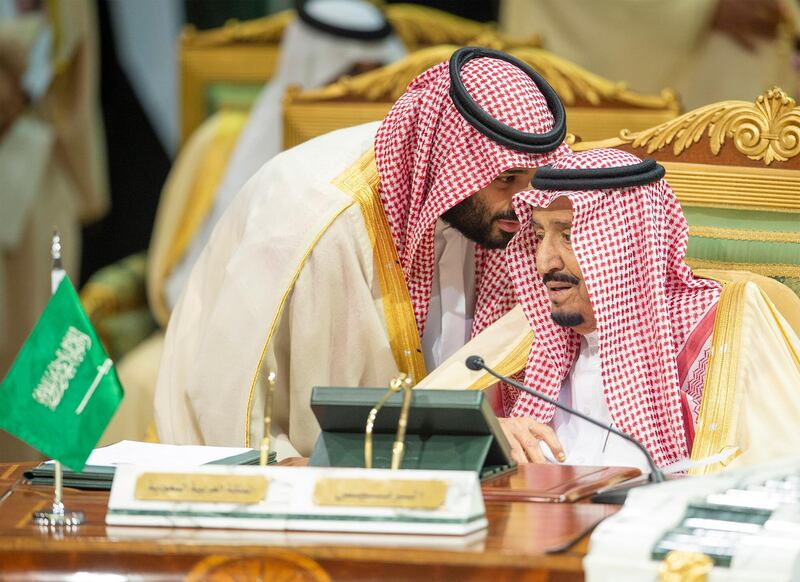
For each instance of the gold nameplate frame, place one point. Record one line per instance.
(201, 488)
(412, 494)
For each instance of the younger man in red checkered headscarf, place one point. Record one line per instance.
(623, 330)
(363, 253)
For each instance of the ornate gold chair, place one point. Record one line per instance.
(596, 107)
(224, 68)
(735, 167)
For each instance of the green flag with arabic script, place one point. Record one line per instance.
(62, 389)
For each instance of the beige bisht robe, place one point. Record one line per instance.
(750, 406)
(288, 284)
(52, 173)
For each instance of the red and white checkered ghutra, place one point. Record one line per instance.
(430, 158)
(630, 245)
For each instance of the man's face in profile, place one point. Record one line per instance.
(558, 266)
(487, 217)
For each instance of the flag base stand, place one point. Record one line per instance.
(58, 516)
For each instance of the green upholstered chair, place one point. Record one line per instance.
(116, 301)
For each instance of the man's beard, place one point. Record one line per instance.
(564, 318)
(472, 219)
(567, 318)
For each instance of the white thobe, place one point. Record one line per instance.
(448, 325)
(583, 442)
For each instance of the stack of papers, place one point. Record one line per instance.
(158, 455)
(100, 466)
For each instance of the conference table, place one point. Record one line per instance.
(524, 541)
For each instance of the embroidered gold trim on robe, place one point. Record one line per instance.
(515, 361)
(360, 181)
(716, 422)
(504, 346)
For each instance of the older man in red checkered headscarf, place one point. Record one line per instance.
(364, 253)
(623, 328)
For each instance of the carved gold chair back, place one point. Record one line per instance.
(225, 68)
(735, 167)
(596, 107)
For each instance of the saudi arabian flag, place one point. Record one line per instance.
(62, 389)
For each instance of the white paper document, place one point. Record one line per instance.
(158, 455)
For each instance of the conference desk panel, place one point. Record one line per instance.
(524, 541)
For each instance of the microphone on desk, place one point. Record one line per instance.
(476, 363)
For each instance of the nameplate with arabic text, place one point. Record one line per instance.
(280, 498)
(405, 493)
(200, 487)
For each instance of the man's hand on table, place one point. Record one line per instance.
(524, 435)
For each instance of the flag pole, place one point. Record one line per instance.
(58, 515)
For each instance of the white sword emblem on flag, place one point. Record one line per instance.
(101, 371)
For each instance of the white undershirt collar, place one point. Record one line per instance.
(448, 325)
